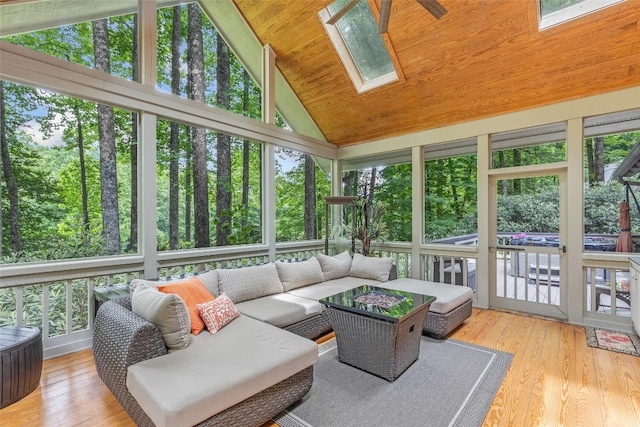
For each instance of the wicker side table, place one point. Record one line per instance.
(20, 362)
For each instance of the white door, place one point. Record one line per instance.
(528, 259)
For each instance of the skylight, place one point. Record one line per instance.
(361, 49)
(554, 12)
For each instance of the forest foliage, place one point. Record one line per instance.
(58, 153)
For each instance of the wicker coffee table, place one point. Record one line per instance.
(378, 330)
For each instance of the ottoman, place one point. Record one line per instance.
(20, 362)
(451, 307)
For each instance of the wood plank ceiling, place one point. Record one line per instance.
(483, 58)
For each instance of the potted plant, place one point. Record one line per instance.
(369, 225)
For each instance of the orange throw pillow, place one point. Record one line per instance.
(193, 292)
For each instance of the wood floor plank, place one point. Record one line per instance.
(555, 379)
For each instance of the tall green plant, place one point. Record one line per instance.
(369, 225)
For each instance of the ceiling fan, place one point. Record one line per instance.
(432, 6)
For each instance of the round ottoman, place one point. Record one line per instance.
(20, 362)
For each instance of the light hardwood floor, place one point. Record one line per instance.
(555, 379)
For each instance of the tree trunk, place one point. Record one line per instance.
(503, 182)
(83, 177)
(598, 158)
(200, 175)
(590, 162)
(133, 149)
(12, 189)
(223, 155)
(188, 195)
(309, 197)
(457, 205)
(174, 138)
(516, 162)
(244, 222)
(106, 131)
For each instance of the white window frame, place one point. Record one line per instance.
(348, 62)
(572, 12)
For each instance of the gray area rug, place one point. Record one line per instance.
(452, 383)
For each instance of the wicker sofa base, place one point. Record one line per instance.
(261, 407)
(439, 325)
(312, 327)
(122, 339)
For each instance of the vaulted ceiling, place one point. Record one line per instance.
(483, 58)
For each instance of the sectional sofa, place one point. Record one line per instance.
(249, 370)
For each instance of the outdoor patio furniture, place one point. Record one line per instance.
(20, 362)
(624, 296)
(378, 330)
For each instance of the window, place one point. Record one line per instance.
(361, 49)
(225, 82)
(219, 207)
(554, 12)
(67, 181)
(450, 199)
(301, 186)
(531, 146)
(76, 43)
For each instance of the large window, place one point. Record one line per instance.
(610, 178)
(107, 44)
(360, 47)
(67, 178)
(195, 62)
(384, 203)
(209, 188)
(302, 183)
(450, 199)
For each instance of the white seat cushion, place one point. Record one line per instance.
(280, 310)
(448, 296)
(331, 287)
(217, 371)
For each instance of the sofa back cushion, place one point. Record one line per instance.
(335, 267)
(370, 267)
(242, 284)
(297, 274)
(193, 292)
(209, 278)
(167, 311)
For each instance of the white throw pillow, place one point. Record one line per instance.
(370, 268)
(297, 274)
(247, 283)
(335, 267)
(167, 311)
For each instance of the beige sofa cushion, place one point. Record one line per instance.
(370, 267)
(209, 278)
(280, 310)
(217, 371)
(331, 287)
(167, 311)
(335, 267)
(296, 274)
(242, 284)
(448, 297)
